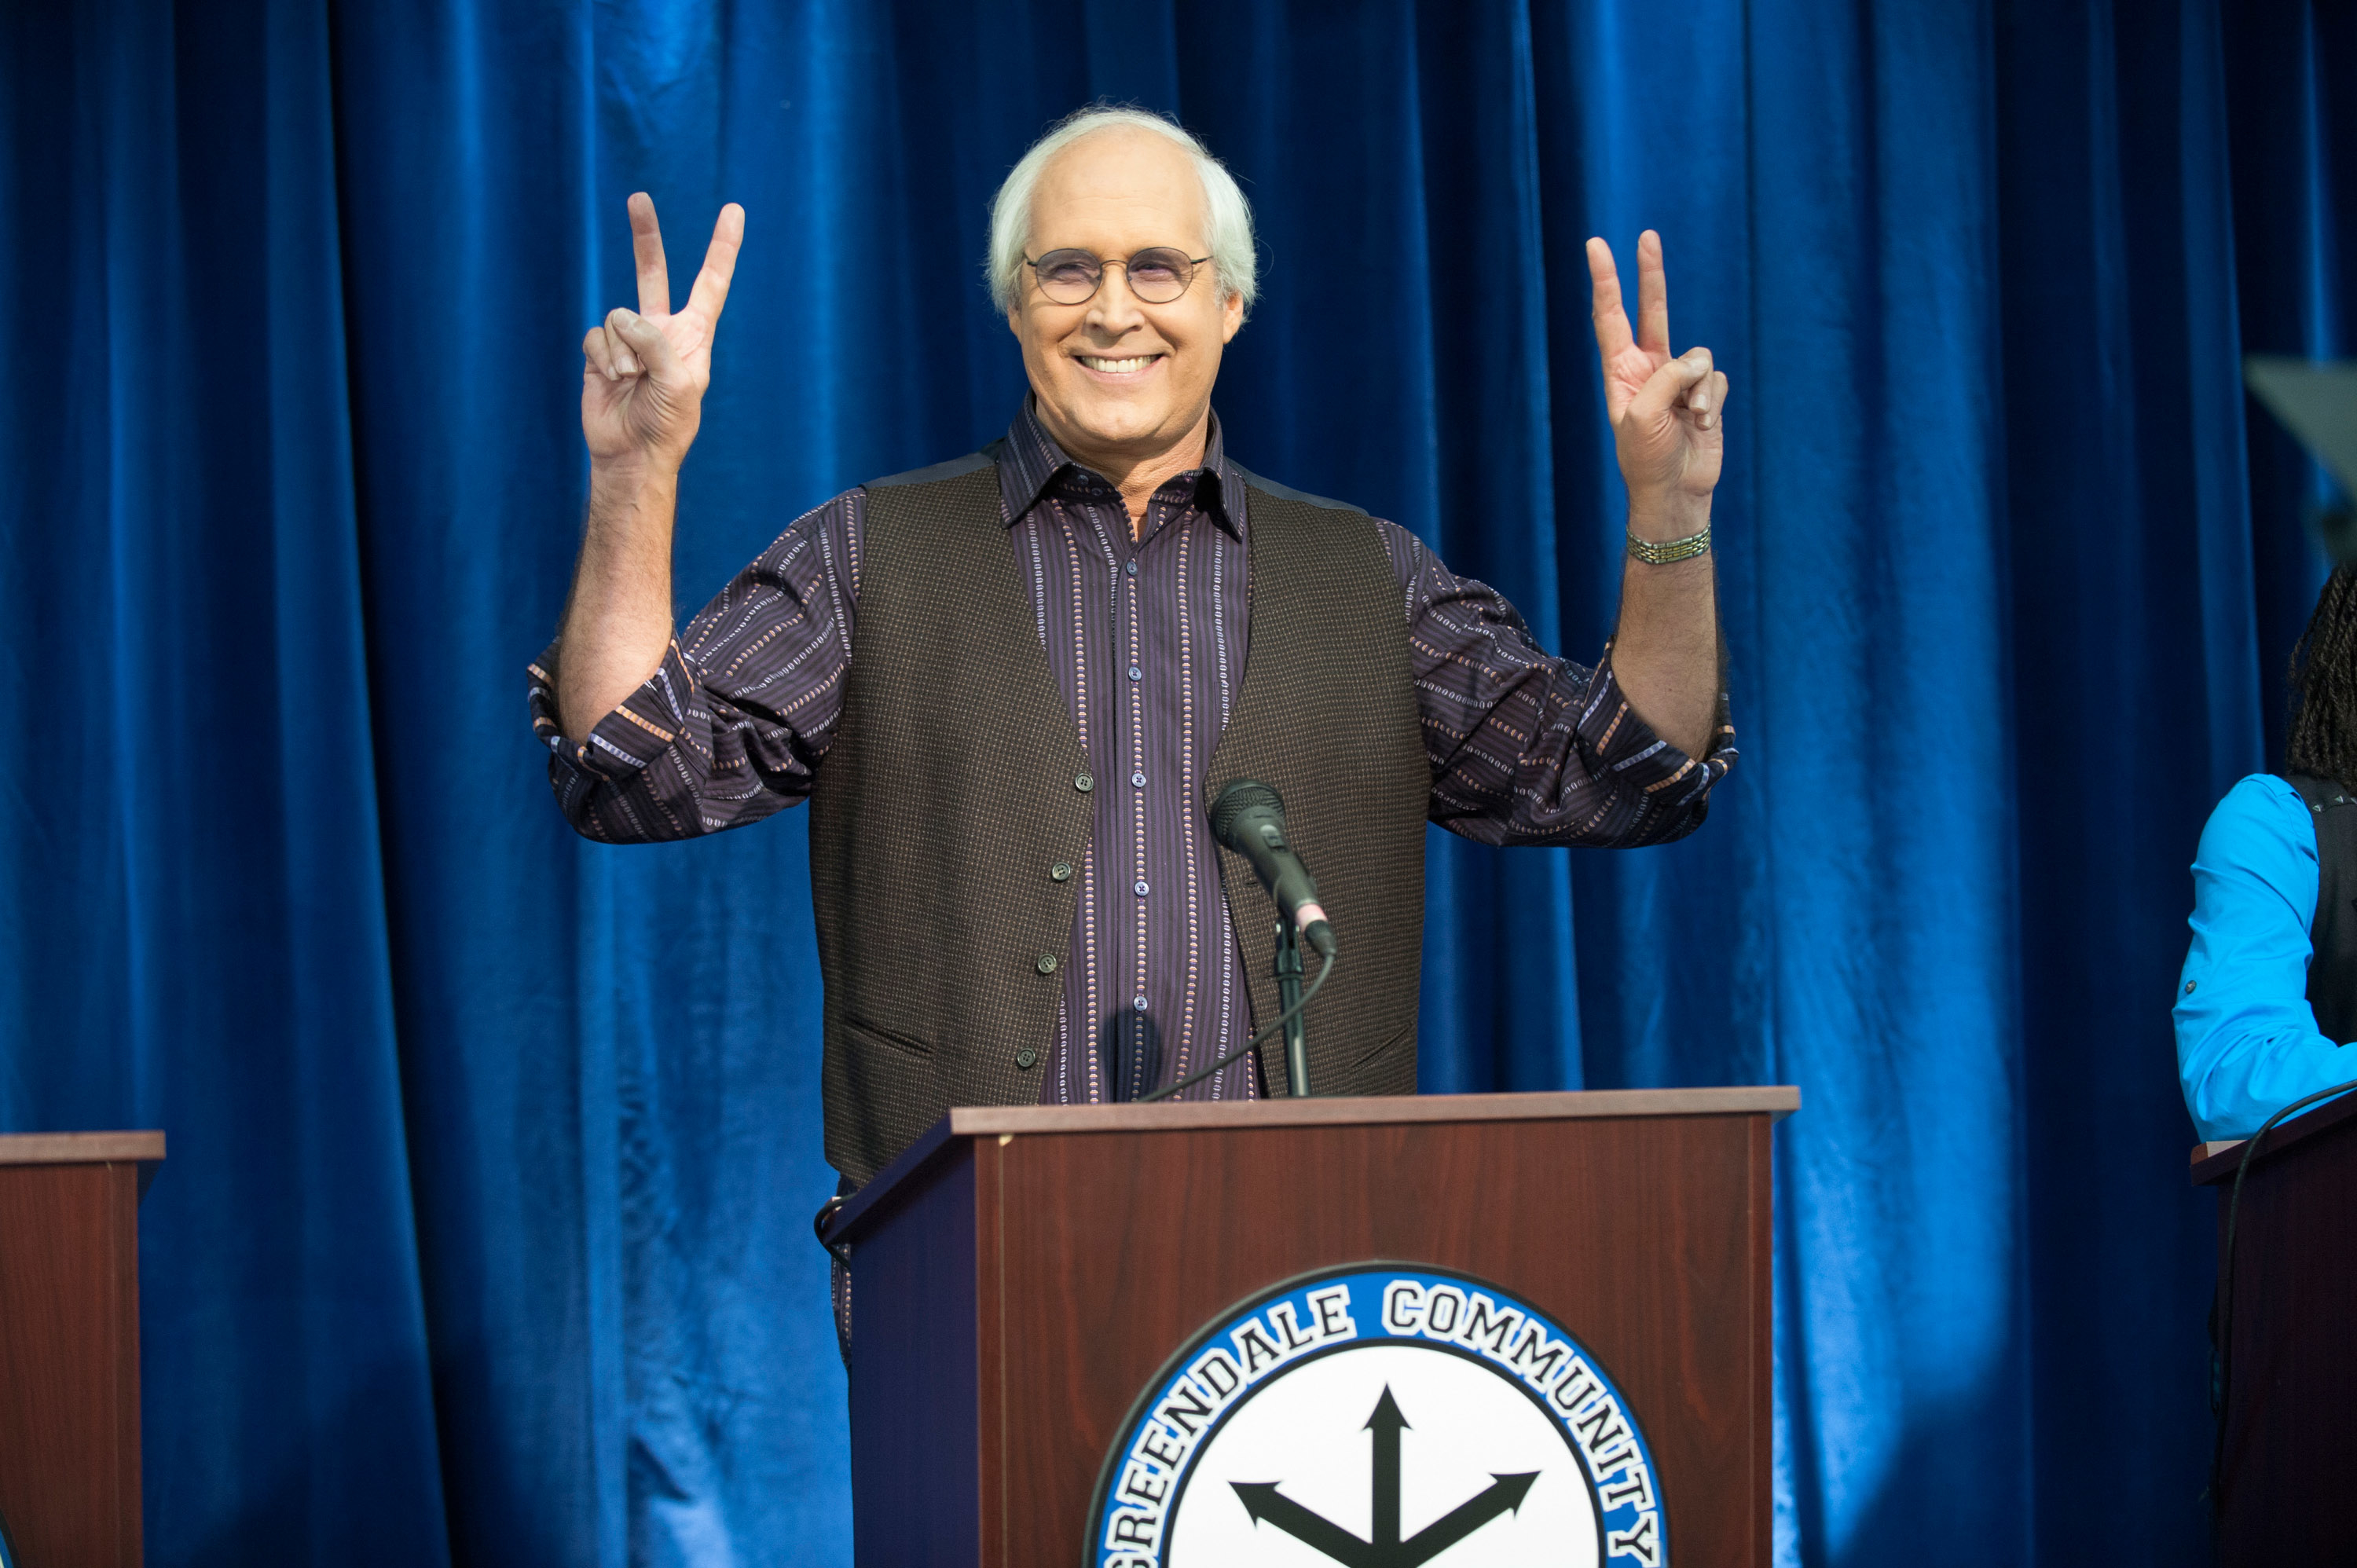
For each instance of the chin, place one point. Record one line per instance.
(1115, 420)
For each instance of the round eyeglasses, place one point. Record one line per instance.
(1157, 276)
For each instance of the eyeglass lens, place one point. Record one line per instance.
(1157, 277)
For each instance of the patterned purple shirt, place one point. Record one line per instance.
(1147, 640)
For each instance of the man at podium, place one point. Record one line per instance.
(1010, 684)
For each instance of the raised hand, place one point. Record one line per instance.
(643, 372)
(1665, 412)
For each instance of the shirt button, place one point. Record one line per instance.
(1060, 871)
(1083, 783)
(1026, 1057)
(1135, 674)
(1138, 779)
(2189, 988)
(1140, 885)
(1046, 963)
(1133, 568)
(1138, 1003)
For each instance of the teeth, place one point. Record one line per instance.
(1118, 367)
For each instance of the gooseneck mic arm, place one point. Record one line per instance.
(1288, 1000)
(1248, 817)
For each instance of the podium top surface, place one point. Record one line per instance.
(2217, 1161)
(1775, 1102)
(1194, 1115)
(144, 1148)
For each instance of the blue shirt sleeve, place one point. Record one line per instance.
(2246, 1039)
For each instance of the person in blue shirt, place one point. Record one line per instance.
(2267, 1000)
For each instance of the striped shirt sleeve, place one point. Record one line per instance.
(732, 726)
(1527, 748)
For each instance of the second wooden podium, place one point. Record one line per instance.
(2281, 1488)
(1383, 1333)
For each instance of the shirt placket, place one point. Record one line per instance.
(1133, 775)
(1114, 855)
(1083, 544)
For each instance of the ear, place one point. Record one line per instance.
(1232, 317)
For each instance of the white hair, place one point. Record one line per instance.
(1227, 217)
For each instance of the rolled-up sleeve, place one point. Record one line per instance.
(1527, 748)
(732, 726)
(2248, 1044)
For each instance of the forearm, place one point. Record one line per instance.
(1527, 748)
(2238, 1074)
(618, 619)
(732, 726)
(1666, 652)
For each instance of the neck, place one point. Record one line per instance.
(1136, 474)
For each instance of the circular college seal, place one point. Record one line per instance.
(1379, 1416)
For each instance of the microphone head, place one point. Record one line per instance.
(1239, 796)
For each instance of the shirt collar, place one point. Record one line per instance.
(1029, 460)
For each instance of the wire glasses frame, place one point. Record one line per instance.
(1158, 274)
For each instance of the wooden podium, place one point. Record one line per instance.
(2284, 1493)
(1020, 1273)
(69, 1345)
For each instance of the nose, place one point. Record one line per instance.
(1113, 309)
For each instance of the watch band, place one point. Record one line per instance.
(1669, 549)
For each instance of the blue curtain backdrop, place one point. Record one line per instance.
(484, 1237)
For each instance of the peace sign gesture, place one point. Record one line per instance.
(643, 372)
(1665, 412)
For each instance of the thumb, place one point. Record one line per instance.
(1668, 386)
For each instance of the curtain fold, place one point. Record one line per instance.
(484, 1235)
(2133, 611)
(198, 926)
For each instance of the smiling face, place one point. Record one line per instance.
(1121, 382)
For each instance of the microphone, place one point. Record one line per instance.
(1248, 817)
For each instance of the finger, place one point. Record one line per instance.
(711, 290)
(1712, 406)
(645, 343)
(1612, 321)
(1698, 398)
(1653, 296)
(646, 245)
(1668, 386)
(627, 360)
(598, 349)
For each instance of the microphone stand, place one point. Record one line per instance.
(1289, 994)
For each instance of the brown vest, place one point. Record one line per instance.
(957, 778)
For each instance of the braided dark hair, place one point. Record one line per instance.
(2322, 740)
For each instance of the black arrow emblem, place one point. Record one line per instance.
(1505, 1495)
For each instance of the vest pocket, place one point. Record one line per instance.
(1399, 1037)
(868, 1035)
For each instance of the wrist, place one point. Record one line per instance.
(631, 471)
(1659, 518)
(632, 504)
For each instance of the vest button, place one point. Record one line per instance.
(1026, 1057)
(1083, 783)
(1060, 871)
(1046, 964)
